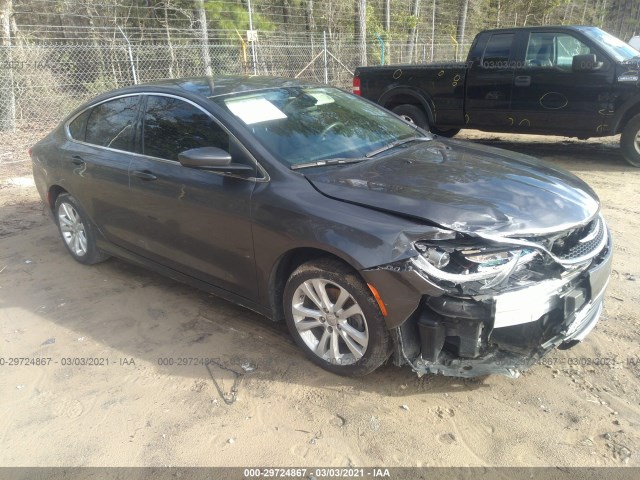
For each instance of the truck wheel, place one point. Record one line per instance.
(630, 141)
(445, 133)
(412, 114)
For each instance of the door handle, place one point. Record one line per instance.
(144, 175)
(523, 81)
(77, 160)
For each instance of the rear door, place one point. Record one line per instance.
(194, 221)
(97, 160)
(490, 83)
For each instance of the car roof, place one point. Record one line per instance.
(224, 85)
(203, 87)
(543, 28)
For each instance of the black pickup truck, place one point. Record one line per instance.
(571, 81)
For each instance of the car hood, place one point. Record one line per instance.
(464, 187)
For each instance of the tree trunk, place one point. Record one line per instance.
(387, 16)
(204, 36)
(7, 93)
(411, 40)
(172, 53)
(310, 20)
(360, 25)
(462, 24)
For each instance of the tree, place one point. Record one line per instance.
(8, 100)
(462, 22)
(204, 36)
(413, 29)
(360, 30)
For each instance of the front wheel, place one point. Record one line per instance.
(333, 317)
(630, 141)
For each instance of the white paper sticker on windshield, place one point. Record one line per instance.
(254, 110)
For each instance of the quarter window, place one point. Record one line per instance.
(78, 126)
(111, 123)
(172, 126)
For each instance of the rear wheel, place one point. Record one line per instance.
(76, 231)
(333, 317)
(451, 132)
(630, 141)
(412, 114)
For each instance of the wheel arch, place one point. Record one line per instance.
(53, 193)
(402, 95)
(626, 113)
(285, 266)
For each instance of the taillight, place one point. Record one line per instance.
(356, 85)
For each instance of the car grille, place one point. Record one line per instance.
(582, 243)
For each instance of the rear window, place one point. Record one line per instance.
(498, 51)
(111, 123)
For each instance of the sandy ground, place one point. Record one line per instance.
(137, 412)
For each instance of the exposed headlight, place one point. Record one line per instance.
(463, 264)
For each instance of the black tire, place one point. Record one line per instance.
(66, 210)
(452, 132)
(412, 114)
(336, 279)
(630, 141)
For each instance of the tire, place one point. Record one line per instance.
(77, 231)
(310, 295)
(452, 132)
(630, 141)
(412, 114)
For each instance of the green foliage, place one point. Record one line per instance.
(224, 15)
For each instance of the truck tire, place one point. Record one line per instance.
(412, 114)
(415, 115)
(451, 132)
(630, 141)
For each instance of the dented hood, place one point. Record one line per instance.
(465, 187)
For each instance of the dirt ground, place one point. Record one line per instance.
(581, 409)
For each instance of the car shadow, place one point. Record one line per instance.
(133, 313)
(575, 155)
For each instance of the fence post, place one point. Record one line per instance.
(326, 67)
(381, 48)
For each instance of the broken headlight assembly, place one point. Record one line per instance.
(459, 265)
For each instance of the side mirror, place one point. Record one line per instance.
(212, 158)
(585, 63)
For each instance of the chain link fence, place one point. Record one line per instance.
(41, 83)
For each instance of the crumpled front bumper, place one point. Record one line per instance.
(505, 334)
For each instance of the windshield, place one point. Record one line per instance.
(306, 124)
(613, 45)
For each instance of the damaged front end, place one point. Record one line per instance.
(495, 305)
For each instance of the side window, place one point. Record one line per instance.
(172, 126)
(78, 126)
(567, 47)
(111, 123)
(498, 51)
(549, 49)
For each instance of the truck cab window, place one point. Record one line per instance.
(546, 50)
(498, 51)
